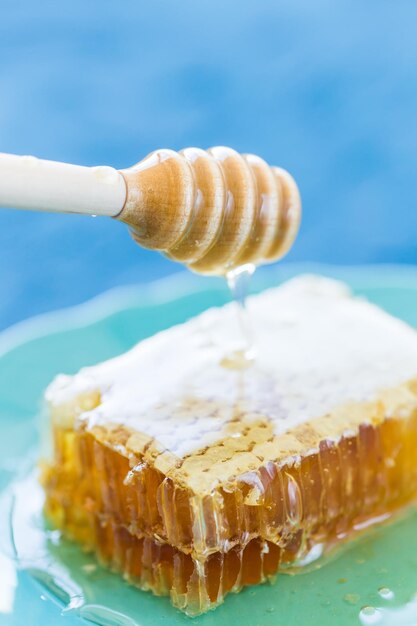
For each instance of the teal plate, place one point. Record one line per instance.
(372, 581)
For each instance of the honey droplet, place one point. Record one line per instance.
(369, 615)
(386, 593)
(351, 598)
(238, 360)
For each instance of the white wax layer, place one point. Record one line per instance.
(317, 348)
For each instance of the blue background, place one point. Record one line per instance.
(326, 89)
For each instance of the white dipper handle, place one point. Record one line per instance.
(30, 183)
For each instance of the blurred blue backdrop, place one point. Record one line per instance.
(326, 89)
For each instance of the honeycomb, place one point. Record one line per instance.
(238, 511)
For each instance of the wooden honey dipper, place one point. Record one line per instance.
(213, 210)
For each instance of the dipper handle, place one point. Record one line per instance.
(35, 184)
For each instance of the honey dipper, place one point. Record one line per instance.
(213, 210)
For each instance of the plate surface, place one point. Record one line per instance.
(33, 352)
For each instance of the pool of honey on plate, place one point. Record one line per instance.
(370, 581)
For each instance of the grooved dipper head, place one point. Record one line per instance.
(213, 210)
